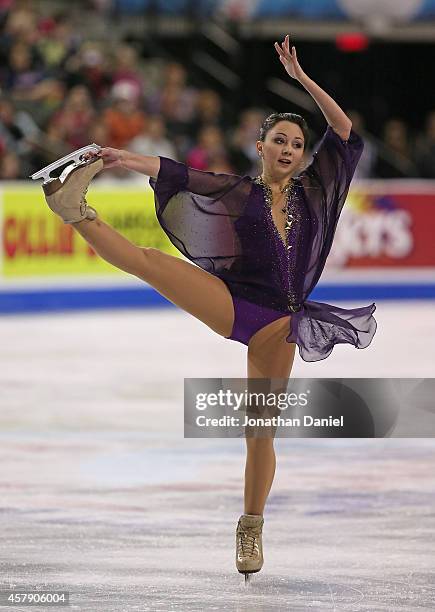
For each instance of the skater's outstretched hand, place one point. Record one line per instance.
(120, 158)
(112, 158)
(289, 59)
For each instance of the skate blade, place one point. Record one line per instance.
(248, 574)
(54, 184)
(76, 157)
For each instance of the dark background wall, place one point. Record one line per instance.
(386, 80)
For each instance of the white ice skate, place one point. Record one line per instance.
(249, 546)
(77, 157)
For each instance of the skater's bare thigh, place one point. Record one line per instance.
(196, 291)
(269, 354)
(269, 357)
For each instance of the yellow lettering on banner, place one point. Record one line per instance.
(37, 243)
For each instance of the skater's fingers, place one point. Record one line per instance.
(279, 50)
(108, 152)
(90, 155)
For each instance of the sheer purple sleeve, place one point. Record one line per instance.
(326, 183)
(198, 211)
(333, 165)
(318, 327)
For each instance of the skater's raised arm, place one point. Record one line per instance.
(334, 115)
(119, 158)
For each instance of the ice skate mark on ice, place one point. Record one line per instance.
(332, 596)
(345, 588)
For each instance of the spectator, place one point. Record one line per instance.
(425, 149)
(243, 152)
(209, 150)
(45, 99)
(11, 134)
(5, 6)
(220, 164)
(124, 119)
(208, 111)
(99, 133)
(48, 147)
(57, 40)
(21, 24)
(10, 167)
(176, 103)
(394, 159)
(127, 69)
(153, 140)
(90, 67)
(76, 117)
(368, 158)
(22, 72)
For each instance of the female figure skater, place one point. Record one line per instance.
(259, 246)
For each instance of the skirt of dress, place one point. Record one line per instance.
(318, 327)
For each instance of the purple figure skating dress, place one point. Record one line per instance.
(222, 223)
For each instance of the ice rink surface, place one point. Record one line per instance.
(102, 496)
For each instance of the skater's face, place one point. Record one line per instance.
(282, 151)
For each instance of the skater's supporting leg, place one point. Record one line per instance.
(259, 473)
(194, 290)
(269, 356)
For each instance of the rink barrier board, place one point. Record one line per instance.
(36, 243)
(19, 302)
(383, 248)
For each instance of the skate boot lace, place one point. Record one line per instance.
(83, 202)
(248, 542)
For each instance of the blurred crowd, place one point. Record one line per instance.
(59, 92)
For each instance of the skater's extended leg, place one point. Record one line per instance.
(269, 356)
(200, 293)
(194, 290)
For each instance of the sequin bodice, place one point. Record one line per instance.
(283, 217)
(290, 248)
